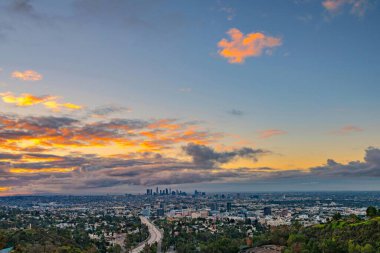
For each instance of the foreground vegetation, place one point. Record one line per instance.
(350, 234)
(32, 231)
(46, 240)
(190, 235)
(340, 235)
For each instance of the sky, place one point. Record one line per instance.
(117, 96)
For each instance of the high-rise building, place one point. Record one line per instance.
(160, 212)
(214, 206)
(229, 206)
(267, 211)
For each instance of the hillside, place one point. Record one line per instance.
(344, 235)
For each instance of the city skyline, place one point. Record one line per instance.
(118, 97)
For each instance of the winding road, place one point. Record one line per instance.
(155, 235)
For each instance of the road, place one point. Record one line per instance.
(155, 235)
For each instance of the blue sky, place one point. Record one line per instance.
(315, 93)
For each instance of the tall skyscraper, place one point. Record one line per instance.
(229, 206)
(267, 211)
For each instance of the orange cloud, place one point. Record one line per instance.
(27, 75)
(44, 170)
(4, 188)
(242, 46)
(165, 123)
(358, 7)
(55, 106)
(37, 134)
(26, 100)
(265, 134)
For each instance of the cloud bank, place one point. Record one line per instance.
(58, 155)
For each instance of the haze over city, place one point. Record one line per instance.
(114, 97)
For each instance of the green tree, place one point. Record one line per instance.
(353, 248)
(337, 216)
(371, 211)
(368, 248)
(115, 249)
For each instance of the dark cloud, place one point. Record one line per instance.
(11, 134)
(102, 111)
(37, 122)
(35, 169)
(236, 112)
(6, 156)
(50, 122)
(205, 155)
(94, 172)
(60, 132)
(102, 183)
(370, 167)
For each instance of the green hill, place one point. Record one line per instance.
(345, 235)
(44, 240)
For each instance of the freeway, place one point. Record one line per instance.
(155, 235)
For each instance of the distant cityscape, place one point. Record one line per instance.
(155, 221)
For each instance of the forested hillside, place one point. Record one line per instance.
(340, 235)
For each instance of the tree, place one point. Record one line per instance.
(337, 216)
(371, 211)
(368, 249)
(353, 218)
(115, 249)
(353, 248)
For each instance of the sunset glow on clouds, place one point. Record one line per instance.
(53, 152)
(34, 146)
(150, 104)
(24, 99)
(243, 46)
(27, 75)
(4, 189)
(358, 7)
(65, 133)
(55, 106)
(27, 100)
